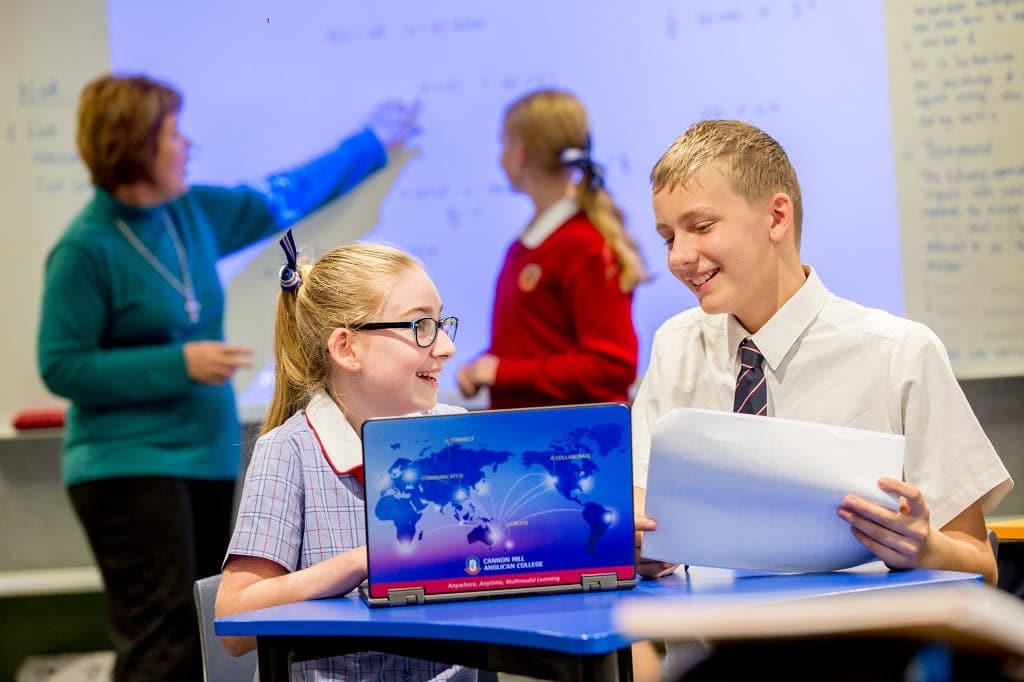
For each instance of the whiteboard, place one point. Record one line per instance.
(299, 75)
(49, 49)
(268, 84)
(957, 73)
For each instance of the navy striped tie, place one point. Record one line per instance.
(751, 392)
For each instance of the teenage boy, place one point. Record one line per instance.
(727, 203)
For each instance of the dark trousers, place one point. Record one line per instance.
(153, 538)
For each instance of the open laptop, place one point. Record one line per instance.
(498, 502)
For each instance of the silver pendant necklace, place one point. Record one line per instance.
(184, 285)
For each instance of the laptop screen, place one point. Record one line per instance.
(499, 500)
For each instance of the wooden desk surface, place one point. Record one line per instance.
(1008, 529)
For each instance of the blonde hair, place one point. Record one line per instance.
(755, 165)
(548, 122)
(345, 287)
(119, 121)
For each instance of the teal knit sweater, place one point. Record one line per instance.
(112, 329)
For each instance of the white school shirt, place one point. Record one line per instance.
(832, 361)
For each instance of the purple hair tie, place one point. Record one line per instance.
(289, 275)
(580, 158)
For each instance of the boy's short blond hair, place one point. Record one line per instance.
(753, 162)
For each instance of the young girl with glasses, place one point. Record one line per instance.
(360, 334)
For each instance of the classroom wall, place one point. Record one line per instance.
(955, 71)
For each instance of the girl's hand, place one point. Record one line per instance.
(477, 374)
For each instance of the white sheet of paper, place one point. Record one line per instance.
(760, 493)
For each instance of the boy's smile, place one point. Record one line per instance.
(701, 279)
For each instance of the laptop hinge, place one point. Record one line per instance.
(599, 581)
(408, 596)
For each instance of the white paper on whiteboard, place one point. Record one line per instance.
(760, 493)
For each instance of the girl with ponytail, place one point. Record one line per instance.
(562, 324)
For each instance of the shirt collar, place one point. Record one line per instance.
(544, 225)
(341, 445)
(778, 336)
(338, 440)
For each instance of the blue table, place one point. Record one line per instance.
(562, 637)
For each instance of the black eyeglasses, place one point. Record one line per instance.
(425, 328)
